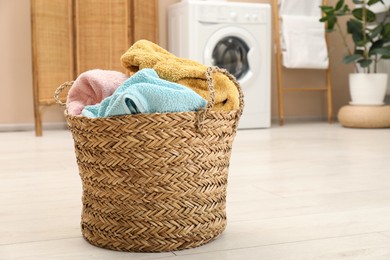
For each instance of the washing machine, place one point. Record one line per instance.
(231, 35)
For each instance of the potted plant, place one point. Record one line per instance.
(371, 43)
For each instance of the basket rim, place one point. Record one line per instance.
(140, 115)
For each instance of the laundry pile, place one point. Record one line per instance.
(157, 82)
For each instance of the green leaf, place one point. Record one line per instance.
(323, 19)
(377, 44)
(346, 8)
(385, 56)
(354, 26)
(339, 4)
(380, 51)
(352, 58)
(371, 2)
(359, 40)
(331, 22)
(358, 2)
(386, 31)
(327, 9)
(376, 31)
(358, 14)
(365, 63)
(360, 52)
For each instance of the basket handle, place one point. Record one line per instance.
(210, 83)
(59, 90)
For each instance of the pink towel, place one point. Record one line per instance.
(91, 87)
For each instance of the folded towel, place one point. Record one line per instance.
(300, 7)
(145, 54)
(145, 92)
(91, 87)
(303, 42)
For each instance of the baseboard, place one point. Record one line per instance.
(297, 119)
(31, 127)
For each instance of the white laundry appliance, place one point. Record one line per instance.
(231, 35)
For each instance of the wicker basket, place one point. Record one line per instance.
(154, 182)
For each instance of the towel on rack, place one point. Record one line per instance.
(145, 92)
(303, 42)
(300, 7)
(91, 87)
(145, 54)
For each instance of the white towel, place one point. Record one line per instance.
(303, 42)
(300, 7)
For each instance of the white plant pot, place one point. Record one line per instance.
(368, 89)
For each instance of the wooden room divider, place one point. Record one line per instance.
(72, 36)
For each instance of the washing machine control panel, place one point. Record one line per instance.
(230, 14)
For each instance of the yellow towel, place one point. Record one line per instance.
(145, 54)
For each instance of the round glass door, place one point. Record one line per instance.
(231, 53)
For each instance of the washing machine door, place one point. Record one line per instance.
(234, 49)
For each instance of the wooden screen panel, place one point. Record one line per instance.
(145, 20)
(52, 47)
(102, 33)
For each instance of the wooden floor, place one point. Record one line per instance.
(302, 191)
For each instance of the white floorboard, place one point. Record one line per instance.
(302, 191)
(367, 247)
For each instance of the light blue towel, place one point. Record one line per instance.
(145, 92)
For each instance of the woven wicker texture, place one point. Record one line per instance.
(102, 33)
(155, 182)
(365, 116)
(144, 19)
(52, 46)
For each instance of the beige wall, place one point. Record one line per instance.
(16, 91)
(16, 77)
(15, 62)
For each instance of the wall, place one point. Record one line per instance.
(16, 76)
(15, 62)
(16, 98)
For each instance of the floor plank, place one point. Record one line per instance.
(72, 248)
(361, 247)
(263, 208)
(298, 228)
